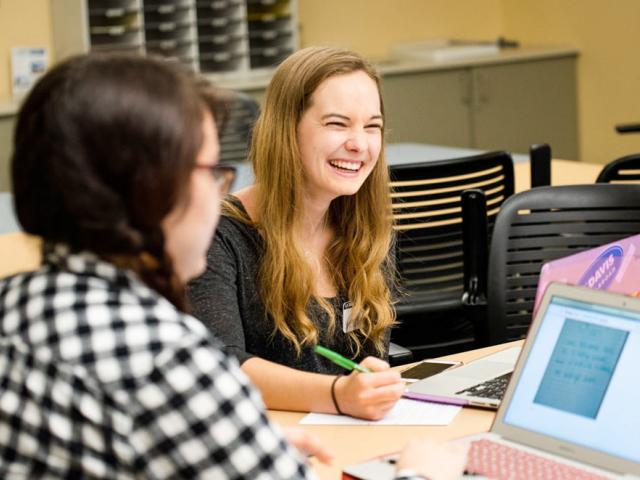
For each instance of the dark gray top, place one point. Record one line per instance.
(225, 298)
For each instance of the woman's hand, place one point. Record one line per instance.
(308, 444)
(369, 395)
(434, 460)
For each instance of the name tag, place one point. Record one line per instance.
(347, 324)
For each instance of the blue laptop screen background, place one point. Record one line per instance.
(580, 383)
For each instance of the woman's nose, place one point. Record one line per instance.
(356, 141)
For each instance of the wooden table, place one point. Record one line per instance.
(352, 444)
(563, 172)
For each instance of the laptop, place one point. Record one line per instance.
(481, 383)
(614, 266)
(574, 397)
(572, 407)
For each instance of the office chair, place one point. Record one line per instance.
(534, 227)
(235, 138)
(622, 170)
(428, 222)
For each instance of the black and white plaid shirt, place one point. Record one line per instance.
(102, 377)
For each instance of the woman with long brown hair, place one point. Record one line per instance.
(103, 374)
(302, 257)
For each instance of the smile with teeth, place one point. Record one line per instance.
(349, 166)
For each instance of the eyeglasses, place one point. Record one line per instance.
(223, 175)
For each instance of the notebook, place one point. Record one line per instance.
(572, 408)
(481, 383)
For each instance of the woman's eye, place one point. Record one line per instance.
(375, 125)
(336, 124)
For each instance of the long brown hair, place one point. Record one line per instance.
(358, 256)
(103, 150)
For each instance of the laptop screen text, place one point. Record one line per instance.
(580, 383)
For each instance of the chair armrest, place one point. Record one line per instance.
(628, 128)
(474, 246)
(475, 239)
(540, 162)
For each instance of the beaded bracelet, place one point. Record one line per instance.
(333, 394)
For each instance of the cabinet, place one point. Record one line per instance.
(7, 123)
(506, 106)
(220, 37)
(509, 103)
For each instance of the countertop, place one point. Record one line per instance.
(395, 66)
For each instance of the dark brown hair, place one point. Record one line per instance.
(103, 149)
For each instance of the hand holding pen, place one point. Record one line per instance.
(370, 391)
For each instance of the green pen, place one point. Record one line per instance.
(340, 360)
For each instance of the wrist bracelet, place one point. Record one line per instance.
(333, 395)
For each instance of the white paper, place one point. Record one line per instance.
(27, 66)
(405, 412)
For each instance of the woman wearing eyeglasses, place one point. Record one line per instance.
(301, 258)
(103, 374)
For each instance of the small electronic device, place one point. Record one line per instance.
(427, 368)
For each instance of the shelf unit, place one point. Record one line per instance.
(221, 38)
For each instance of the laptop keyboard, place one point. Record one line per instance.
(500, 462)
(493, 388)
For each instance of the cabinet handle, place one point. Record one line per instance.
(480, 89)
(465, 87)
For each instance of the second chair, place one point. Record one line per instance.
(428, 222)
(543, 224)
(622, 170)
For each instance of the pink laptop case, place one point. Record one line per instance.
(615, 267)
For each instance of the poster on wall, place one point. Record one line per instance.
(27, 65)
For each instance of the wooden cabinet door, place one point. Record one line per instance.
(428, 107)
(518, 104)
(6, 145)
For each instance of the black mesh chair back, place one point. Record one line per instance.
(543, 224)
(623, 170)
(235, 138)
(428, 223)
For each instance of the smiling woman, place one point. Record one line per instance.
(305, 250)
(340, 136)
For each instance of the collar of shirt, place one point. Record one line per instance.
(60, 256)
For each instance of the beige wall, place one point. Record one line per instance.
(606, 32)
(371, 26)
(608, 36)
(23, 23)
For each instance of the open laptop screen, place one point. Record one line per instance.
(579, 382)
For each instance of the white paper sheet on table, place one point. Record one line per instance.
(405, 412)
